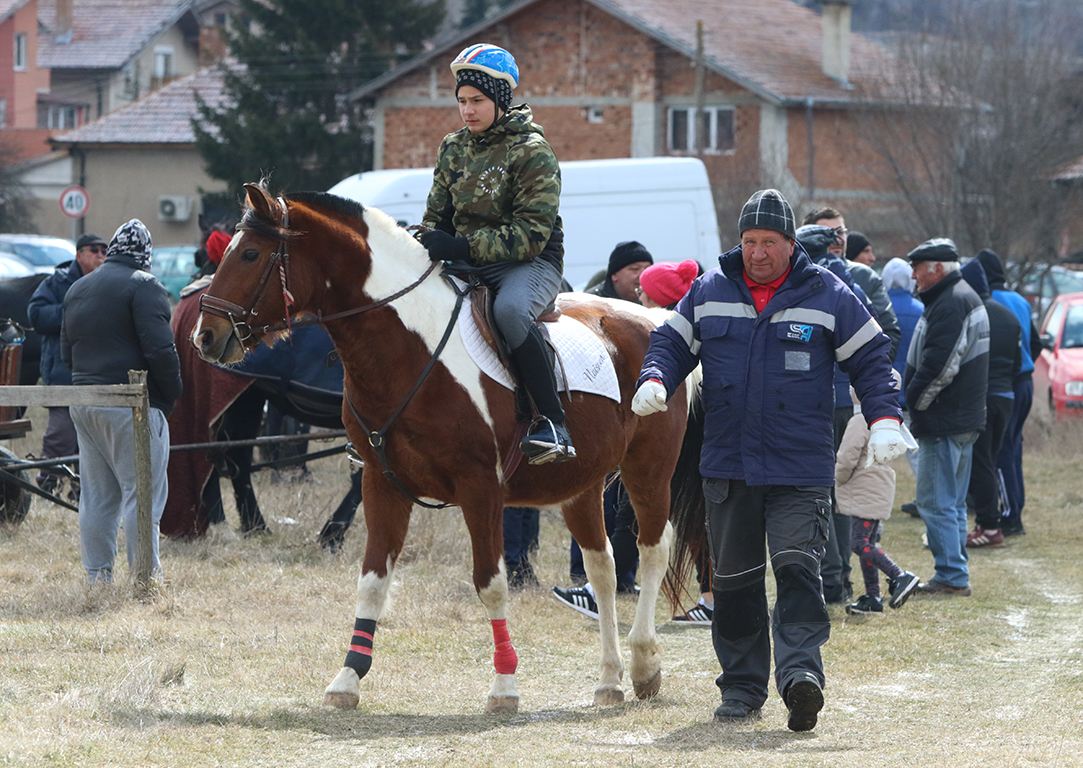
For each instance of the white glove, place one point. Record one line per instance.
(886, 441)
(649, 398)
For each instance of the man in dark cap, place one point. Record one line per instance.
(117, 320)
(947, 375)
(46, 313)
(626, 262)
(768, 327)
(859, 249)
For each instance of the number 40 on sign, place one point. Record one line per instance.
(74, 202)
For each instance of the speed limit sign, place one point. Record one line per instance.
(74, 202)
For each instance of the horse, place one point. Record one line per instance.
(417, 406)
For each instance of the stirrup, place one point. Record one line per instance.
(353, 455)
(561, 449)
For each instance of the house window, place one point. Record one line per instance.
(716, 124)
(3, 113)
(20, 50)
(163, 63)
(58, 116)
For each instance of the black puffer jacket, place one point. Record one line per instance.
(116, 319)
(947, 368)
(1005, 352)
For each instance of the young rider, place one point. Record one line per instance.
(493, 206)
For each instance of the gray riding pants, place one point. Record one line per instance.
(524, 289)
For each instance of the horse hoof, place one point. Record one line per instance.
(608, 697)
(649, 689)
(341, 700)
(502, 705)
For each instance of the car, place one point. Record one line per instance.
(1058, 371)
(12, 266)
(44, 254)
(174, 266)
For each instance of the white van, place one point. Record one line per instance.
(663, 202)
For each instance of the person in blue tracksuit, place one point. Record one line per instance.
(768, 327)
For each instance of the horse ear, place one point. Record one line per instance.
(260, 201)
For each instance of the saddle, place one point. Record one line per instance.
(481, 308)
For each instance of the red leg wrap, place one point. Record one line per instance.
(504, 658)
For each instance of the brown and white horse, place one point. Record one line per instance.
(443, 426)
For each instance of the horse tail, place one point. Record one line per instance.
(688, 511)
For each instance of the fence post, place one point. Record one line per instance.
(144, 554)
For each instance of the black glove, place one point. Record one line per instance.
(444, 247)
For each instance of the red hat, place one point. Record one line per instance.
(216, 246)
(666, 282)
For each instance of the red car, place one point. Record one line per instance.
(1058, 372)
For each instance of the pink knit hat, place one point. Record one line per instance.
(666, 282)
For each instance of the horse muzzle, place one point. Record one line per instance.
(215, 340)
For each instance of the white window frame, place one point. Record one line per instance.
(3, 113)
(163, 62)
(21, 51)
(714, 115)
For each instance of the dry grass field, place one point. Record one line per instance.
(226, 664)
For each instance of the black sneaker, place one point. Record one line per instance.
(901, 589)
(1012, 529)
(734, 711)
(911, 509)
(550, 442)
(804, 699)
(866, 605)
(697, 614)
(579, 598)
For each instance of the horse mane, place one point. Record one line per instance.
(337, 204)
(274, 231)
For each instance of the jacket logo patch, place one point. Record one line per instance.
(799, 332)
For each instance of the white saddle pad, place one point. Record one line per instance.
(580, 354)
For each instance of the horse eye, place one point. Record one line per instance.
(250, 255)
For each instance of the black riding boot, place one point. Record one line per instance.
(548, 440)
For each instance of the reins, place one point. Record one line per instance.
(246, 332)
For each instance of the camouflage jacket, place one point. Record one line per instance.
(501, 190)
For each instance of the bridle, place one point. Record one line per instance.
(241, 318)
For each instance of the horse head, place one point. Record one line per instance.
(251, 290)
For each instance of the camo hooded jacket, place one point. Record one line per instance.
(500, 189)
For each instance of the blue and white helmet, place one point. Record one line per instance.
(490, 59)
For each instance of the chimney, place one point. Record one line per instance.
(64, 17)
(836, 54)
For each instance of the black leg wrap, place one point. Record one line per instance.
(359, 657)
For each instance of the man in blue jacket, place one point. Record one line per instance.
(46, 313)
(768, 327)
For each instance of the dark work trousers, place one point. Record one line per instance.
(794, 521)
(60, 439)
(521, 529)
(984, 489)
(623, 532)
(1010, 460)
(835, 568)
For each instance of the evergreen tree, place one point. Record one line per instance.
(293, 62)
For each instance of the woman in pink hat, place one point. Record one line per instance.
(665, 283)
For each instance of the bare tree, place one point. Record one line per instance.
(977, 119)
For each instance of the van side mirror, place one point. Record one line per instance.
(1046, 340)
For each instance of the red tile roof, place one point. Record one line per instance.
(161, 117)
(772, 47)
(106, 34)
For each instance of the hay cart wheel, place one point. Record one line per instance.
(14, 501)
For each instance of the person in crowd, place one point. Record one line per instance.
(768, 326)
(1005, 359)
(838, 588)
(660, 285)
(46, 313)
(1010, 459)
(899, 283)
(521, 531)
(866, 494)
(947, 374)
(116, 319)
(859, 249)
(493, 207)
(626, 264)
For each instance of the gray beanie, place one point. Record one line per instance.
(767, 209)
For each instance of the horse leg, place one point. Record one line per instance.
(333, 534)
(584, 518)
(241, 422)
(485, 521)
(387, 516)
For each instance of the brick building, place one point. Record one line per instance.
(618, 78)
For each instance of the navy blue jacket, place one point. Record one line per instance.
(46, 313)
(908, 310)
(768, 387)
